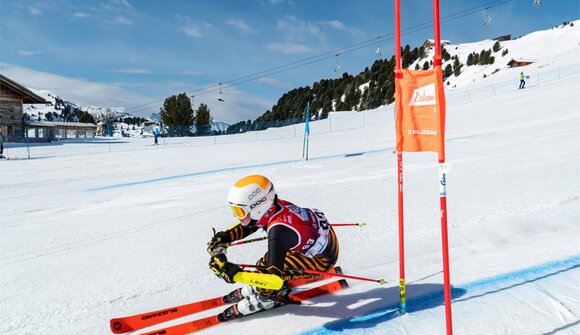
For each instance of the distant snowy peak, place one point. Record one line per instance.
(220, 126)
(55, 105)
(102, 112)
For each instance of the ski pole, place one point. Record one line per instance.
(315, 272)
(248, 241)
(357, 224)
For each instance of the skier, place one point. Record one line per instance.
(522, 80)
(156, 132)
(297, 238)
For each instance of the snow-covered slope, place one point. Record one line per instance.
(125, 232)
(542, 48)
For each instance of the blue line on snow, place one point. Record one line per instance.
(479, 288)
(156, 180)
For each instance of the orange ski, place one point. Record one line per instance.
(140, 321)
(210, 321)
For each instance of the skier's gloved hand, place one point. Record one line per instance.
(222, 268)
(219, 240)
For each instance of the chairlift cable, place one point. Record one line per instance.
(322, 56)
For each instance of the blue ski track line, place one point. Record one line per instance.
(471, 290)
(156, 180)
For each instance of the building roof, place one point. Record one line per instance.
(48, 124)
(28, 96)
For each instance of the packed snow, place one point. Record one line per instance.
(93, 235)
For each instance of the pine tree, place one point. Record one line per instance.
(447, 72)
(470, 59)
(422, 53)
(457, 67)
(87, 117)
(475, 58)
(177, 115)
(496, 46)
(203, 120)
(406, 57)
(446, 56)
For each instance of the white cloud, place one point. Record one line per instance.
(124, 3)
(338, 25)
(196, 29)
(79, 91)
(191, 31)
(240, 25)
(34, 11)
(296, 29)
(122, 20)
(28, 52)
(274, 83)
(289, 48)
(238, 105)
(81, 15)
(133, 71)
(188, 73)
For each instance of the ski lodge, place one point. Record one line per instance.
(12, 97)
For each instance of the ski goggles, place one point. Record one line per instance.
(239, 211)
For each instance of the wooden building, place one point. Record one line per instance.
(12, 97)
(429, 43)
(519, 62)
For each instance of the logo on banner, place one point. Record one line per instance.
(424, 96)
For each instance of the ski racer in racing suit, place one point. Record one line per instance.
(298, 238)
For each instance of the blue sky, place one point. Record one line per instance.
(134, 54)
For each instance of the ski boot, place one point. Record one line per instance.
(253, 303)
(239, 294)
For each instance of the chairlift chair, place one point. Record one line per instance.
(220, 94)
(337, 67)
(537, 3)
(487, 20)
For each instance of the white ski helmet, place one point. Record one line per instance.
(252, 195)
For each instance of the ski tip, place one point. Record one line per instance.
(119, 327)
(343, 283)
(338, 269)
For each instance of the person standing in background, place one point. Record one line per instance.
(522, 80)
(2, 139)
(156, 134)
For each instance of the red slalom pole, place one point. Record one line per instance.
(315, 272)
(399, 109)
(443, 185)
